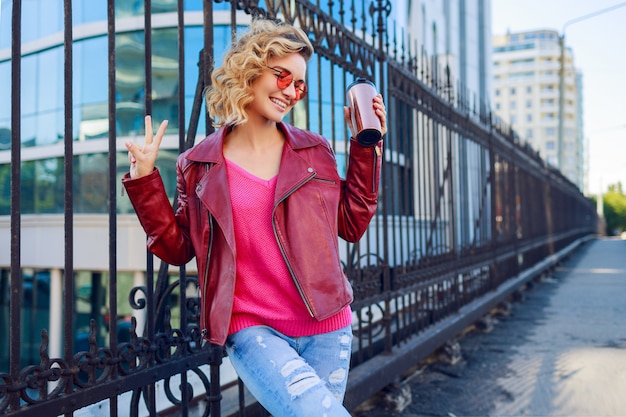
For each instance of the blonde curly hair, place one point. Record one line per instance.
(230, 92)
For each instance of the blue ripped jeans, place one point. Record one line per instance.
(293, 376)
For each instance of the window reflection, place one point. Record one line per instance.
(6, 10)
(84, 11)
(50, 80)
(41, 189)
(29, 130)
(40, 18)
(90, 89)
(5, 189)
(5, 106)
(28, 91)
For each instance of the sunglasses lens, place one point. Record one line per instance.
(300, 89)
(284, 79)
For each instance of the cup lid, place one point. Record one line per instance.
(361, 80)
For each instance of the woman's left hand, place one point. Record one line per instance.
(381, 112)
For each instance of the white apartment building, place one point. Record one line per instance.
(526, 94)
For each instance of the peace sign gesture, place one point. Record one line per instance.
(143, 158)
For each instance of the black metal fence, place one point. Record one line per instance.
(466, 216)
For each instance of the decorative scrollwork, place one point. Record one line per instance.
(6, 383)
(252, 8)
(137, 304)
(370, 322)
(383, 10)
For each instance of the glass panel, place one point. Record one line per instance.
(49, 186)
(50, 80)
(94, 122)
(4, 317)
(91, 290)
(90, 89)
(5, 86)
(51, 16)
(47, 129)
(128, 8)
(164, 6)
(194, 5)
(130, 75)
(340, 97)
(165, 78)
(90, 183)
(193, 44)
(29, 130)
(84, 11)
(5, 189)
(35, 313)
(326, 128)
(5, 134)
(93, 66)
(29, 85)
(27, 188)
(30, 21)
(6, 10)
(41, 18)
(5, 106)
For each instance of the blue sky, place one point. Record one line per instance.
(599, 46)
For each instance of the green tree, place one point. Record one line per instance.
(615, 209)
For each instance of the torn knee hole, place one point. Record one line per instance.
(337, 376)
(302, 382)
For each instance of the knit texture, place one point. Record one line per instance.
(265, 293)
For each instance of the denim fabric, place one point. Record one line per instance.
(293, 376)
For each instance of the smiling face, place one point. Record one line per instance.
(271, 103)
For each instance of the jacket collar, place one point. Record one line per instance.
(210, 149)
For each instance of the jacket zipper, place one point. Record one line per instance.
(206, 271)
(377, 153)
(204, 331)
(282, 249)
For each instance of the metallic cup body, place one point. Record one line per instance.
(360, 95)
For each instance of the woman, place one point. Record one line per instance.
(260, 206)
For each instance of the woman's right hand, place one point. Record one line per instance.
(143, 158)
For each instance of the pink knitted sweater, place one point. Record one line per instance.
(265, 293)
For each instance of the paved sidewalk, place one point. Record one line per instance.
(560, 352)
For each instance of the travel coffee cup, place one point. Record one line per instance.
(360, 95)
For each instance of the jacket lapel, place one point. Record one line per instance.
(294, 171)
(212, 189)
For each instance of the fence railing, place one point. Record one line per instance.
(465, 214)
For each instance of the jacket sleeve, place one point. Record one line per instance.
(359, 191)
(167, 230)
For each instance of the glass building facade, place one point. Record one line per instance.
(42, 134)
(42, 94)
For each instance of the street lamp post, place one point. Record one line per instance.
(561, 154)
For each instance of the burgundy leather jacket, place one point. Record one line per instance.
(313, 206)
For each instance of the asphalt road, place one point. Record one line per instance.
(560, 351)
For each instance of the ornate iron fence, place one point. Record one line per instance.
(466, 215)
